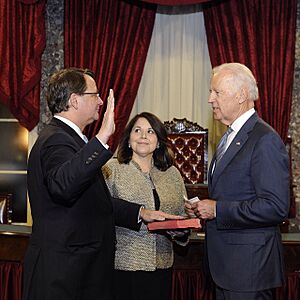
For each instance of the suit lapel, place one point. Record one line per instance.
(236, 145)
(69, 130)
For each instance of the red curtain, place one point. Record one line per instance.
(194, 284)
(261, 35)
(191, 284)
(291, 289)
(22, 41)
(112, 39)
(176, 2)
(10, 280)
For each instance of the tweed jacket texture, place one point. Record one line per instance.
(143, 250)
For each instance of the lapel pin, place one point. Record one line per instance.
(238, 143)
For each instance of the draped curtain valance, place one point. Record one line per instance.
(176, 2)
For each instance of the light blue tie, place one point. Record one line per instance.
(221, 148)
(85, 138)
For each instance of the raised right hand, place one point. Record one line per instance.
(108, 123)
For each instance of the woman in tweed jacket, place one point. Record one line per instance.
(144, 173)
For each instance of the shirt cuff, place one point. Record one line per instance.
(215, 210)
(139, 215)
(104, 145)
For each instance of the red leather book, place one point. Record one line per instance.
(174, 224)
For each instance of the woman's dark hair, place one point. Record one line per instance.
(62, 84)
(162, 156)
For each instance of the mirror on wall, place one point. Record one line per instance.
(13, 164)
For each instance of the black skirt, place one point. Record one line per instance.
(143, 285)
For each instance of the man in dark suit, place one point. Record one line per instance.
(249, 192)
(71, 250)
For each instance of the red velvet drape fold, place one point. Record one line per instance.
(291, 289)
(112, 39)
(22, 41)
(176, 2)
(187, 284)
(260, 34)
(10, 280)
(193, 284)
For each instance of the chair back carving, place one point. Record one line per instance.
(189, 142)
(5, 208)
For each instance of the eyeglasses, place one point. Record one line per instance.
(90, 93)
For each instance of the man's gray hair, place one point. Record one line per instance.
(242, 75)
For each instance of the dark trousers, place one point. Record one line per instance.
(143, 285)
(222, 294)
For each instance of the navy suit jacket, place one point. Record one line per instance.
(251, 186)
(71, 250)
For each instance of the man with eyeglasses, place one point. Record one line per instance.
(71, 250)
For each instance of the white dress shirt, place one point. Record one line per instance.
(238, 124)
(77, 129)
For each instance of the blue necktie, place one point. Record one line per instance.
(222, 144)
(85, 138)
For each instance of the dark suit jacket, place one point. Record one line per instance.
(251, 187)
(71, 251)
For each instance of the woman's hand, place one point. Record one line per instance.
(156, 215)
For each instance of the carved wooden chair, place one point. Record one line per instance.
(189, 142)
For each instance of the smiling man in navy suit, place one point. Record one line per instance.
(248, 190)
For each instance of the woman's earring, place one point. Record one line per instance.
(129, 146)
(157, 147)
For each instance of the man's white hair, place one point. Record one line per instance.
(242, 76)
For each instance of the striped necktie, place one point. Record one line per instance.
(221, 148)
